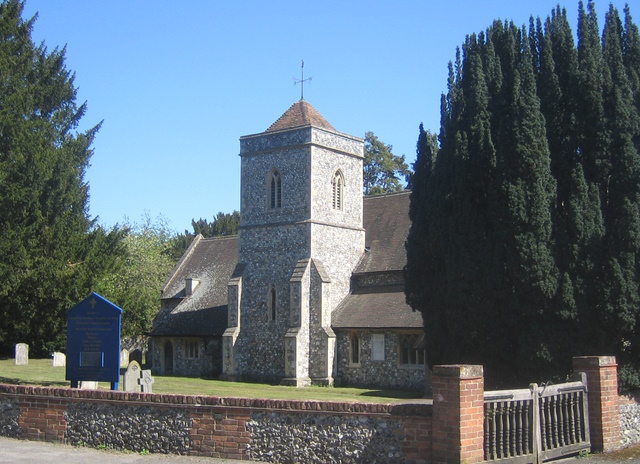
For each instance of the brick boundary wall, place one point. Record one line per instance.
(232, 428)
(450, 430)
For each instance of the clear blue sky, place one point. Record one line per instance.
(177, 83)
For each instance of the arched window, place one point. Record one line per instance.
(338, 190)
(275, 189)
(272, 304)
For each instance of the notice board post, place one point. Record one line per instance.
(93, 341)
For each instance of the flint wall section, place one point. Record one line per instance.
(232, 428)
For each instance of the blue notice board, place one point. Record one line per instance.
(93, 341)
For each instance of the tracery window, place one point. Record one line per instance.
(338, 190)
(275, 189)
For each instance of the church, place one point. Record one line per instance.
(311, 290)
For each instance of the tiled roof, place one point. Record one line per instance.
(382, 305)
(211, 261)
(387, 223)
(300, 114)
(376, 308)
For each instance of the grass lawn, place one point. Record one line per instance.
(41, 372)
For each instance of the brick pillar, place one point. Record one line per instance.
(604, 410)
(458, 414)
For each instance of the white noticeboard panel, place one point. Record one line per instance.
(377, 347)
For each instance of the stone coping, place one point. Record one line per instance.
(599, 361)
(461, 371)
(411, 408)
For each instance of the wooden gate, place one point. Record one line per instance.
(536, 424)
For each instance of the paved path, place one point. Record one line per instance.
(38, 452)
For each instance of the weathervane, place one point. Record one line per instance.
(301, 81)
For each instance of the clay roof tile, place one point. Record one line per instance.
(300, 114)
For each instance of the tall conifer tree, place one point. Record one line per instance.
(531, 239)
(51, 251)
(622, 215)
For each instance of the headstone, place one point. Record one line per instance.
(131, 377)
(124, 357)
(136, 355)
(146, 381)
(22, 354)
(59, 359)
(88, 385)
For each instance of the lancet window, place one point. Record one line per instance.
(338, 190)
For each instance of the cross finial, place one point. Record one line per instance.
(301, 81)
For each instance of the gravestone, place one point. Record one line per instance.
(146, 381)
(22, 354)
(88, 385)
(131, 377)
(136, 355)
(124, 357)
(59, 359)
(93, 341)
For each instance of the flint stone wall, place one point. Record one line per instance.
(231, 428)
(324, 439)
(273, 241)
(630, 420)
(10, 413)
(377, 374)
(129, 427)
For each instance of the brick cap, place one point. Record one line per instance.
(598, 361)
(461, 371)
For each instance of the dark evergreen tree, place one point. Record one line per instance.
(593, 143)
(222, 224)
(51, 251)
(524, 243)
(631, 55)
(621, 315)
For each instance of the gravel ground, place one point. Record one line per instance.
(630, 454)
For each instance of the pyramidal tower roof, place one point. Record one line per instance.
(300, 114)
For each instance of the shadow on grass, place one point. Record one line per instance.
(43, 383)
(394, 394)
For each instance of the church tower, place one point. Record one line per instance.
(301, 235)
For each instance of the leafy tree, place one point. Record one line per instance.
(52, 252)
(524, 247)
(382, 169)
(136, 281)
